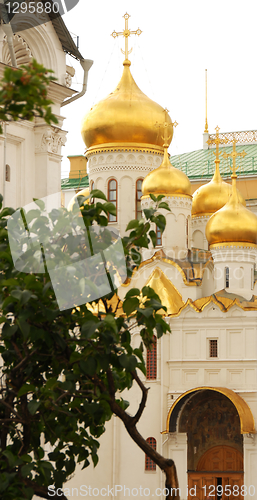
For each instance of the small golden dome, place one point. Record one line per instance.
(166, 180)
(84, 192)
(126, 116)
(209, 198)
(233, 223)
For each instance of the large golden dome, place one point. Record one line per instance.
(233, 223)
(166, 180)
(209, 198)
(126, 116)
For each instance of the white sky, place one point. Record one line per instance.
(180, 39)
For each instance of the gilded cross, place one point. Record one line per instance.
(217, 141)
(166, 136)
(234, 156)
(126, 33)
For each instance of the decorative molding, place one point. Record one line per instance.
(172, 201)
(104, 168)
(51, 141)
(202, 220)
(21, 48)
(117, 148)
(249, 136)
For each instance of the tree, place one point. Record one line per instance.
(23, 95)
(64, 371)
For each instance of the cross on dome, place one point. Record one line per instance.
(234, 156)
(166, 136)
(217, 141)
(126, 33)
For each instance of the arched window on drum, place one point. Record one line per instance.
(138, 199)
(112, 196)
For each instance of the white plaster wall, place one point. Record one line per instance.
(198, 237)
(241, 263)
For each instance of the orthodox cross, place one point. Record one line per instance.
(234, 156)
(126, 33)
(217, 141)
(166, 136)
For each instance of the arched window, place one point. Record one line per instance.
(159, 237)
(112, 196)
(149, 464)
(7, 173)
(151, 362)
(138, 199)
(226, 277)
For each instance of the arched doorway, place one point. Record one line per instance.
(214, 421)
(219, 473)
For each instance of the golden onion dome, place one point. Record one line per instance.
(126, 116)
(166, 180)
(209, 198)
(84, 192)
(233, 223)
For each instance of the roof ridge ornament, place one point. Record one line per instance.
(126, 33)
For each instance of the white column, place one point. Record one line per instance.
(178, 453)
(250, 460)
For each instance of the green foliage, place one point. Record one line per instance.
(24, 94)
(56, 365)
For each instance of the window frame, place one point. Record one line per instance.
(111, 217)
(150, 465)
(138, 200)
(151, 361)
(158, 237)
(7, 173)
(212, 349)
(226, 276)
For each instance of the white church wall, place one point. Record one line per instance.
(198, 238)
(190, 363)
(207, 286)
(177, 445)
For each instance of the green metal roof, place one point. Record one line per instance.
(82, 182)
(200, 164)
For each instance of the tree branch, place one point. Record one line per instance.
(42, 491)
(144, 390)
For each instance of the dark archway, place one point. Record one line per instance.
(209, 419)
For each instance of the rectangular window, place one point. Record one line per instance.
(149, 464)
(139, 213)
(226, 277)
(159, 237)
(213, 348)
(151, 362)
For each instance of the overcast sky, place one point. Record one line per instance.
(180, 38)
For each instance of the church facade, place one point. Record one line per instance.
(30, 152)
(202, 405)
